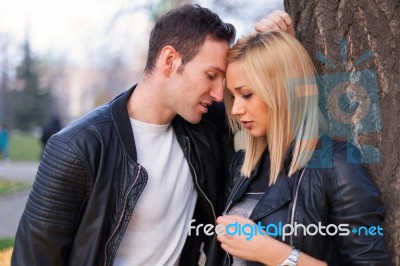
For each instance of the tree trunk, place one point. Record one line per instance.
(355, 46)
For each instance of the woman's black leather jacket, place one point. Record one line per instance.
(334, 189)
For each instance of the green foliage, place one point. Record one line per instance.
(6, 243)
(31, 102)
(25, 147)
(10, 186)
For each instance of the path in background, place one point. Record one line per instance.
(12, 206)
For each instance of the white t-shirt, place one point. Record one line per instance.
(160, 221)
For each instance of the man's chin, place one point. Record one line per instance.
(193, 119)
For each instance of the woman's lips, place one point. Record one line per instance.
(247, 124)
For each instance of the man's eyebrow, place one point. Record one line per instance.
(219, 70)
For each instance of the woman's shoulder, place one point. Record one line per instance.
(331, 151)
(342, 161)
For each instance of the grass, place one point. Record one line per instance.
(6, 243)
(10, 186)
(6, 247)
(24, 147)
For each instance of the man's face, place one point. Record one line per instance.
(192, 91)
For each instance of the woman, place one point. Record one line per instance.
(306, 190)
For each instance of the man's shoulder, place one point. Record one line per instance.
(99, 118)
(92, 122)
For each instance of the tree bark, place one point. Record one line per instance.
(350, 41)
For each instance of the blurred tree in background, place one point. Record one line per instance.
(31, 102)
(4, 81)
(35, 84)
(240, 10)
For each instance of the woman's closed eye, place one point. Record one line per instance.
(247, 96)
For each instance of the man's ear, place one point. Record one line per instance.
(169, 60)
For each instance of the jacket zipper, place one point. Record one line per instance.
(233, 196)
(197, 182)
(227, 208)
(294, 206)
(122, 214)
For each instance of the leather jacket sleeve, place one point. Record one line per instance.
(50, 219)
(355, 200)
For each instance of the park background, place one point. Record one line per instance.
(63, 58)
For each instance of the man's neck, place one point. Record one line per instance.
(148, 104)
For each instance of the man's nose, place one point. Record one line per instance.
(217, 93)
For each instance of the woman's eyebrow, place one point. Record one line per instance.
(239, 87)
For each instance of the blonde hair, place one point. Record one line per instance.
(279, 70)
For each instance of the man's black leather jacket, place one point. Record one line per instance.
(335, 188)
(89, 181)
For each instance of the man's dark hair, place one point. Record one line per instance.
(186, 28)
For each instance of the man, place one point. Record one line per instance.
(52, 127)
(121, 185)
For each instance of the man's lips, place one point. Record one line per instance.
(204, 106)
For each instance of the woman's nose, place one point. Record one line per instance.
(237, 108)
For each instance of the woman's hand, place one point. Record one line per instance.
(252, 243)
(276, 21)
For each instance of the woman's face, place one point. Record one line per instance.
(248, 107)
